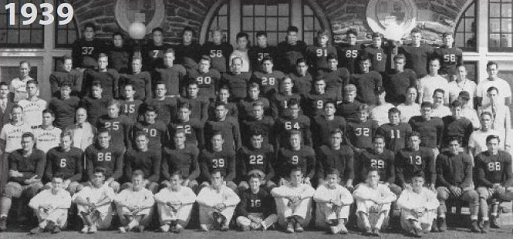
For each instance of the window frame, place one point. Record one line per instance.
(462, 19)
(18, 27)
(500, 33)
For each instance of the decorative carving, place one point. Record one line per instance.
(393, 18)
(150, 12)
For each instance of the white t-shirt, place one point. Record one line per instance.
(466, 85)
(477, 140)
(33, 111)
(500, 84)
(408, 111)
(47, 138)
(245, 59)
(12, 136)
(441, 111)
(428, 85)
(19, 88)
(380, 113)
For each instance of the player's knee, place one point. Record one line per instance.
(74, 187)
(153, 187)
(243, 185)
(441, 193)
(115, 186)
(232, 185)
(12, 190)
(125, 186)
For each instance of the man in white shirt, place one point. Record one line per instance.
(10, 136)
(18, 86)
(493, 80)
(33, 106)
(409, 108)
(462, 84)
(467, 111)
(47, 136)
(380, 112)
(83, 131)
(439, 109)
(501, 115)
(429, 83)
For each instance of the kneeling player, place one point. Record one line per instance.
(184, 158)
(418, 206)
(134, 204)
(373, 201)
(94, 203)
(333, 202)
(216, 203)
(257, 157)
(51, 207)
(256, 208)
(494, 181)
(293, 202)
(174, 204)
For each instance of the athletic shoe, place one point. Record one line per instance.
(442, 225)
(298, 228)
(3, 223)
(485, 227)
(334, 230)
(342, 228)
(375, 232)
(122, 230)
(35, 231)
(140, 228)
(178, 228)
(204, 227)
(164, 228)
(494, 223)
(85, 229)
(415, 233)
(290, 227)
(368, 231)
(92, 229)
(56, 230)
(434, 227)
(245, 228)
(474, 227)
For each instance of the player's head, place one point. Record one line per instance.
(267, 64)
(217, 35)
(141, 140)
(453, 145)
(448, 39)
(434, 65)
(363, 112)
(417, 181)
(292, 35)
(129, 91)
(65, 89)
(179, 138)
(320, 85)
(184, 111)
(96, 90)
(438, 96)
(217, 141)
(32, 88)
(332, 61)
(98, 176)
(136, 64)
(376, 39)
(296, 175)
(253, 90)
(67, 63)
(461, 72)
(157, 36)
(492, 68)
(103, 137)
(169, 57)
(330, 108)
(150, 114)
(17, 114)
(414, 140)
(486, 120)
(66, 140)
(256, 138)
(493, 144)
(103, 61)
(349, 93)
(224, 93)
(216, 178)
(351, 35)
(493, 94)
(379, 143)
(294, 108)
(254, 180)
(118, 39)
(394, 116)
(365, 63)
(287, 84)
(81, 115)
(113, 108)
(204, 64)
(24, 69)
(411, 94)
(295, 139)
(187, 35)
(262, 39)
(456, 109)
(237, 64)
(57, 182)
(89, 31)
(373, 176)
(301, 66)
(175, 179)
(242, 40)
(4, 90)
(137, 180)
(323, 37)
(426, 108)
(416, 36)
(192, 88)
(463, 97)
(258, 110)
(48, 117)
(220, 110)
(332, 177)
(399, 62)
(336, 138)
(160, 89)
(27, 141)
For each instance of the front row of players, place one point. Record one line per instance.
(416, 197)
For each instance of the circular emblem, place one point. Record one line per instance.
(397, 17)
(149, 12)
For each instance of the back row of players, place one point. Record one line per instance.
(164, 134)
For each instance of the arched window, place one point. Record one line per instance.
(19, 35)
(65, 35)
(465, 37)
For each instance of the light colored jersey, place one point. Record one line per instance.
(441, 111)
(184, 195)
(477, 140)
(380, 113)
(61, 199)
(500, 84)
(96, 195)
(33, 111)
(465, 85)
(47, 138)
(208, 196)
(411, 200)
(324, 193)
(12, 136)
(428, 84)
(408, 111)
(19, 88)
(142, 198)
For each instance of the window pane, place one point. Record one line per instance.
(25, 36)
(459, 40)
(271, 24)
(272, 38)
(470, 11)
(37, 36)
(259, 10)
(247, 10)
(495, 25)
(283, 24)
(72, 38)
(506, 40)
(283, 9)
(468, 25)
(12, 36)
(307, 10)
(308, 23)
(494, 40)
(495, 10)
(272, 10)
(506, 10)
(223, 10)
(308, 37)
(506, 25)
(259, 23)
(247, 24)
(223, 22)
(281, 36)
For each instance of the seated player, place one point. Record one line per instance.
(414, 158)
(47, 135)
(83, 132)
(131, 106)
(145, 160)
(217, 203)
(245, 106)
(257, 157)
(409, 108)
(293, 202)
(102, 154)
(293, 121)
(494, 181)
(224, 95)
(26, 168)
(174, 204)
(33, 106)
(228, 126)
(66, 161)
(361, 132)
(218, 157)
(336, 77)
(267, 77)
(182, 157)
(368, 83)
(280, 101)
(155, 130)
(51, 207)
(333, 203)
(64, 105)
(454, 181)
(257, 120)
(236, 80)
(199, 104)
(380, 112)
(324, 124)
(206, 77)
(418, 207)
(295, 155)
(301, 77)
(373, 202)
(95, 103)
(395, 132)
(134, 204)
(348, 109)
(166, 106)
(256, 210)
(119, 126)
(193, 128)
(335, 155)
(313, 102)
(430, 129)
(94, 203)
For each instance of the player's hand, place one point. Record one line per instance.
(407, 186)
(15, 174)
(66, 183)
(185, 182)
(432, 187)
(337, 202)
(496, 185)
(455, 190)
(282, 181)
(146, 182)
(306, 180)
(33, 179)
(501, 190)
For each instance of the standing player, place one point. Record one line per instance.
(95, 104)
(267, 77)
(47, 136)
(333, 203)
(130, 106)
(166, 106)
(295, 155)
(431, 129)
(236, 80)
(439, 109)
(313, 103)
(395, 132)
(460, 84)
(217, 203)
(155, 130)
(301, 77)
(293, 121)
(64, 106)
(381, 159)
(140, 80)
(153, 52)
(188, 53)
(85, 50)
(193, 128)
(349, 51)
(256, 158)
(102, 154)
(477, 140)
(280, 101)
(174, 204)
(380, 112)
(257, 120)
(218, 158)
(228, 126)
(66, 74)
(181, 158)
(83, 132)
(368, 83)
(172, 75)
(293, 202)
(324, 124)
(373, 200)
(413, 159)
(198, 103)
(33, 106)
(377, 54)
(26, 169)
(18, 86)
(337, 156)
(109, 78)
(397, 80)
(141, 158)
(260, 50)
(218, 50)
(449, 55)
(120, 53)
(348, 109)
(336, 77)
(224, 95)
(360, 133)
(10, 136)
(206, 77)
(417, 54)
(501, 120)
(66, 161)
(409, 108)
(317, 55)
(5, 104)
(431, 82)
(289, 51)
(241, 51)
(457, 126)
(245, 106)
(492, 68)
(119, 126)
(494, 181)
(256, 210)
